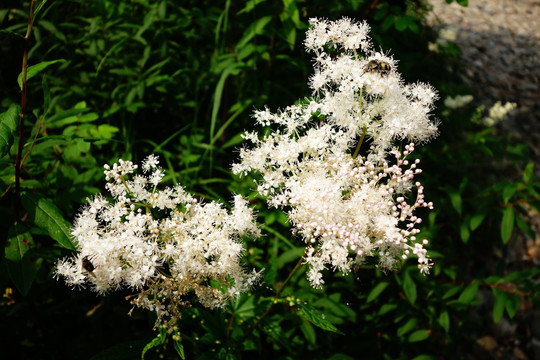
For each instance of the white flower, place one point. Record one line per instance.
(347, 207)
(498, 113)
(457, 101)
(163, 244)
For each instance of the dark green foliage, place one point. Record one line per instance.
(123, 79)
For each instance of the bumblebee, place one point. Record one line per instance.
(378, 66)
(88, 266)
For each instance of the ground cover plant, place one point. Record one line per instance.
(257, 199)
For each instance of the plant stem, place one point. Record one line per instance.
(278, 294)
(357, 150)
(23, 111)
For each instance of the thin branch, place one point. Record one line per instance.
(23, 111)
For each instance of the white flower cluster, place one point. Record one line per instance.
(458, 101)
(163, 244)
(347, 207)
(446, 36)
(498, 112)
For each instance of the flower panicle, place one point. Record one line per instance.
(347, 205)
(162, 243)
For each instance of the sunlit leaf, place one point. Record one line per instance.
(47, 216)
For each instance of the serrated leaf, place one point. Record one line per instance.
(418, 335)
(158, 340)
(244, 306)
(409, 288)
(48, 217)
(22, 269)
(469, 294)
(36, 69)
(507, 224)
(179, 349)
(316, 317)
(9, 124)
(376, 291)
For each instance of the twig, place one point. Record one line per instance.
(23, 111)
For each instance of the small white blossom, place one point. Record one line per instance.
(163, 244)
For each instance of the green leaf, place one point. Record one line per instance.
(386, 308)
(512, 304)
(508, 192)
(158, 340)
(402, 23)
(528, 173)
(3, 31)
(36, 69)
(256, 28)
(451, 292)
(22, 269)
(37, 9)
(179, 349)
(409, 288)
(340, 356)
(244, 306)
(425, 357)
(309, 332)
(48, 217)
(289, 256)
(455, 200)
(9, 124)
(444, 320)
(499, 305)
(464, 3)
(507, 224)
(418, 335)
(476, 221)
(376, 291)
(524, 226)
(464, 232)
(469, 294)
(316, 317)
(407, 327)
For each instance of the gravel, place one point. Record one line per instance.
(500, 44)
